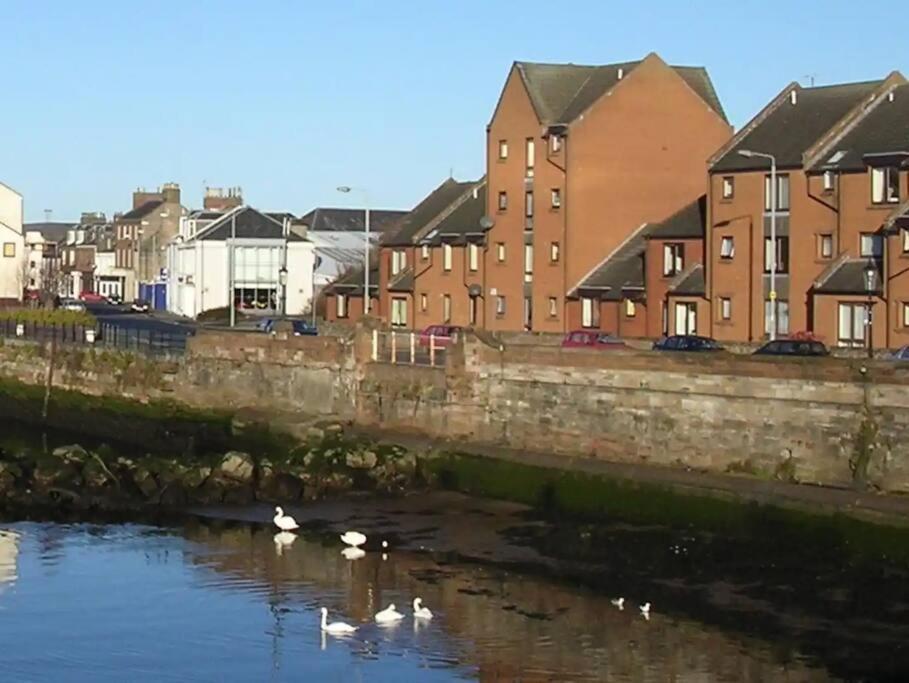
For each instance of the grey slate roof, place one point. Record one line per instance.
(562, 92)
(402, 282)
(690, 283)
(686, 223)
(791, 129)
(142, 210)
(351, 283)
(623, 269)
(463, 221)
(429, 211)
(885, 128)
(845, 277)
(51, 231)
(250, 224)
(350, 220)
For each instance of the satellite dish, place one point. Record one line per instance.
(486, 222)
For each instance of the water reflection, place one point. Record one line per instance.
(9, 555)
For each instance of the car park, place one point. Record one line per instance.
(686, 342)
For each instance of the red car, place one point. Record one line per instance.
(92, 298)
(591, 339)
(443, 334)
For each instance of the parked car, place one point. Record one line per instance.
(139, 306)
(115, 299)
(591, 339)
(70, 304)
(686, 342)
(92, 298)
(442, 335)
(792, 347)
(300, 327)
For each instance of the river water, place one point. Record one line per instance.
(217, 597)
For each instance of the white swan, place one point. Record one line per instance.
(336, 627)
(285, 522)
(283, 539)
(389, 615)
(645, 609)
(419, 611)
(353, 553)
(353, 538)
(619, 602)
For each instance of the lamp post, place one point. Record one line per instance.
(870, 274)
(346, 189)
(773, 201)
(282, 280)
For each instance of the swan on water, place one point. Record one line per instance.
(284, 539)
(645, 608)
(336, 627)
(419, 611)
(619, 602)
(285, 522)
(384, 544)
(353, 538)
(353, 553)
(389, 615)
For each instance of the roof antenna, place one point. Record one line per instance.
(810, 78)
(451, 172)
(48, 213)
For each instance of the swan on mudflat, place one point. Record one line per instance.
(336, 627)
(645, 609)
(353, 538)
(419, 611)
(285, 522)
(389, 615)
(618, 602)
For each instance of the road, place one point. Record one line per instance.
(123, 318)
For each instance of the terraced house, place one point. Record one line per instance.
(836, 249)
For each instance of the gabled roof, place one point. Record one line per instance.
(845, 276)
(562, 92)
(788, 130)
(427, 214)
(689, 222)
(142, 210)
(464, 220)
(246, 223)
(351, 283)
(50, 231)
(899, 219)
(402, 282)
(883, 129)
(690, 282)
(350, 220)
(622, 270)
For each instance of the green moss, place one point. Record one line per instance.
(863, 450)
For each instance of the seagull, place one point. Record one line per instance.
(618, 602)
(352, 553)
(389, 615)
(337, 627)
(353, 538)
(285, 522)
(645, 609)
(419, 611)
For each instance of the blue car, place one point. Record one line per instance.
(300, 327)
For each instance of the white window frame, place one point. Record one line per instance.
(471, 310)
(590, 309)
(851, 323)
(398, 261)
(875, 241)
(424, 252)
(555, 143)
(782, 317)
(446, 257)
(399, 312)
(631, 309)
(556, 198)
(782, 192)
(500, 305)
(341, 306)
(424, 303)
(446, 308)
(727, 247)
(885, 185)
(503, 150)
(828, 181)
(905, 234)
(686, 317)
(728, 187)
(826, 240)
(905, 314)
(473, 257)
(530, 155)
(503, 201)
(553, 307)
(554, 252)
(528, 263)
(500, 252)
(725, 308)
(673, 258)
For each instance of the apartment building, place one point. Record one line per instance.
(840, 176)
(13, 273)
(579, 158)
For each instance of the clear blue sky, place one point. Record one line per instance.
(291, 99)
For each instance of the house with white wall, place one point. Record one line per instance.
(238, 257)
(13, 273)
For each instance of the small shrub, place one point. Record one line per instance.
(48, 316)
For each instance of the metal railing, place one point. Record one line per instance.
(410, 348)
(148, 341)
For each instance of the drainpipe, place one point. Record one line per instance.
(751, 275)
(708, 261)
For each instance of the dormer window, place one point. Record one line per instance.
(555, 143)
(885, 185)
(398, 261)
(828, 179)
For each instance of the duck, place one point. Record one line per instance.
(352, 553)
(419, 611)
(389, 615)
(645, 609)
(353, 538)
(285, 522)
(336, 627)
(618, 602)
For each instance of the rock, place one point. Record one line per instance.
(95, 476)
(239, 495)
(9, 473)
(168, 472)
(406, 464)
(145, 481)
(334, 428)
(308, 458)
(315, 433)
(337, 482)
(194, 477)
(361, 460)
(73, 453)
(174, 495)
(238, 467)
(50, 473)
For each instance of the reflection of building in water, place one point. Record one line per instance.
(9, 558)
(503, 625)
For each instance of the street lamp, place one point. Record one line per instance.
(282, 280)
(751, 154)
(347, 190)
(870, 274)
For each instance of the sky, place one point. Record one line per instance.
(290, 99)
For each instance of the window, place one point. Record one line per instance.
(500, 252)
(9, 249)
(725, 308)
(446, 257)
(500, 306)
(503, 201)
(554, 252)
(424, 303)
(871, 245)
(31, 264)
(885, 185)
(555, 143)
(905, 234)
(473, 257)
(399, 312)
(828, 180)
(905, 314)
(782, 254)
(630, 308)
(424, 252)
(556, 199)
(472, 310)
(727, 248)
(529, 152)
(590, 312)
(503, 149)
(528, 263)
(341, 305)
(852, 321)
(782, 192)
(825, 246)
(686, 318)
(782, 316)
(728, 187)
(398, 261)
(528, 210)
(553, 307)
(446, 308)
(673, 259)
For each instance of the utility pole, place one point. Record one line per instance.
(230, 265)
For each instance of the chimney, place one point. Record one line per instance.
(170, 193)
(217, 199)
(793, 97)
(141, 196)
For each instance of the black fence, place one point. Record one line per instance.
(141, 340)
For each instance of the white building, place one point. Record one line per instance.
(13, 273)
(259, 247)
